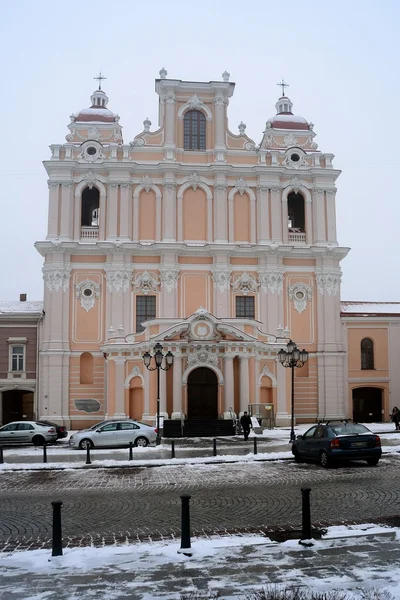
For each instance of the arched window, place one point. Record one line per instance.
(90, 207)
(86, 368)
(367, 354)
(296, 213)
(194, 130)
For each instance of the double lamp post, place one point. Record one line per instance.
(161, 362)
(292, 357)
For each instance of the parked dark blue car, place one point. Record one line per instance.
(336, 441)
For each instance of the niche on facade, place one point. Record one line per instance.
(90, 208)
(296, 213)
(88, 405)
(86, 368)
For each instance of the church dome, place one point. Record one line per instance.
(284, 118)
(98, 111)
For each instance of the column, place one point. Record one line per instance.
(282, 417)
(285, 220)
(112, 210)
(253, 218)
(319, 216)
(169, 211)
(66, 210)
(244, 383)
(256, 380)
(221, 274)
(229, 391)
(163, 393)
(177, 387)
(119, 387)
(220, 102)
(309, 222)
(263, 214)
(124, 215)
(330, 216)
(276, 215)
(220, 213)
(146, 391)
(52, 227)
(169, 144)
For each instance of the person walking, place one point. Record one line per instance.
(245, 422)
(395, 416)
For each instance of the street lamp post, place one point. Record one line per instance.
(159, 358)
(292, 357)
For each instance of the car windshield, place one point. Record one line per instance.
(349, 429)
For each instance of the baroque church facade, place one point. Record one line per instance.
(218, 248)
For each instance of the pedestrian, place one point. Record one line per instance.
(395, 416)
(245, 422)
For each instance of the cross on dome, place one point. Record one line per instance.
(100, 78)
(283, 84)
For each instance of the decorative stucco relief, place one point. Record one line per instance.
(169, 278)
(244, 284)
(145, 283)
(271, 282)
(241, 186)
(147, 183)
(56, 278)
(202, 355)
(87, 292)
(221, 279)
(299, 294)
(118, 278)
(328, 283)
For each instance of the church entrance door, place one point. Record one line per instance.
(367, 405)
(202, 394)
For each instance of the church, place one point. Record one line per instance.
(216, 247)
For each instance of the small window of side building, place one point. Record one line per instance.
(17, 358)
(367, 354)
(145, 310)
(194, 130)
(245, 307)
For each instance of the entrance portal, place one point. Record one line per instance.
(17, 405)
(367, 405)
(202, 394)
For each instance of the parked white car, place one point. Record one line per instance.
(27, 432)
(114, 434)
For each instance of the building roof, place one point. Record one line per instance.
(31, 306)
(368, 309)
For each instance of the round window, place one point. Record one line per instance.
(91, 150)
(88, 292)
(294, 157)
(299, 295)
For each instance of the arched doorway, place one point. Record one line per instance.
(367, 404)
(17, 405)
(202, 394)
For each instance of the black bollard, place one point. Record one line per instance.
(255, 445)
(215, 447)
(172, 449)
(130, 450)
(44, 452)
(1, 455)
(57, 535)
(88, 461)
(185, 526)
(306, 516)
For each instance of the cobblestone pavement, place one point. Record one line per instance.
(104, 506)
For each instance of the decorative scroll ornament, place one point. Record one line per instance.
(169, 99)
(290, 140)
(221, 279)
(202, 355)
(137, 143)
(251, 147)
(299, 294)
(271, 282)
(220, 187)
(195, 103)
(94, 133)
(169, 278)
(87, 291)
(245, 284)
(56, 279)
(295, 183)
(328, 283)
(241, 186)
(220, 101)
(96, 157)
(118, 279)
(147, 183)
(295, 164)
(145, 283)
(194, 180)
(90, 178)
(169, 184)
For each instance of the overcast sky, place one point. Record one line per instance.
(340, 58)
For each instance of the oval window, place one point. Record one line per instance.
(91, 150)
(295, 158)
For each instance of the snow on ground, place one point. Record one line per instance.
(230, 565)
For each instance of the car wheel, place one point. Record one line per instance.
(141, 441)
(297, 456)
(324, 460)
(38, 440)
(372, 462)
(84, 444)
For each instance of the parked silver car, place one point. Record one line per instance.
(114, 434)
(27, 432)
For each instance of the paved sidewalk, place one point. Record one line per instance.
(227, 565)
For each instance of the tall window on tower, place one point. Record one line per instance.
(296, 213)
(90, 207)
(194, 130)
(145, 310)
(367, 354)
(245, 307)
